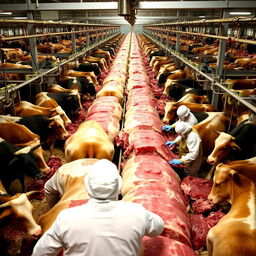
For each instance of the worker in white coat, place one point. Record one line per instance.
(184, 114)
(102, 226)
(190, 148)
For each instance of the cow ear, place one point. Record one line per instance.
(235, 176)
(51, 124)
(5, 213)
(234, 146)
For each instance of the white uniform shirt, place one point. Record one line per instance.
(193, 145)
(100, 227)
(191, 119)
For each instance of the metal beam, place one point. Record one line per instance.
(194, 5)
(60, 6)
(142, 5)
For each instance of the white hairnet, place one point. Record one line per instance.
(103, 180)
(182, 128)
(183, 111)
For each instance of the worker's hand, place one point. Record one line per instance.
(175, 161)
(166, 128)
(170, 143)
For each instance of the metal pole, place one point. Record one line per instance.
(32, 43)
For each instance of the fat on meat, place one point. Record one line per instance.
(140, 169)
(168, 203)
(148, 142)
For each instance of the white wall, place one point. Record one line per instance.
(49, 15)
(127, 28)
(138, 29)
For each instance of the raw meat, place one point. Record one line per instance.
(167, 203)
(201, 206)
(164, 246)
(142, 120)
(148, 142)
(141, 100)
(201, 226)
(140, 169)
(106, 107)
(195, 188)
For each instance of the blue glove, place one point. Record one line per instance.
(170, 143)
(166, 128)
(175, 161)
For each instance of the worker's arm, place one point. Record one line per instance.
(154, 224)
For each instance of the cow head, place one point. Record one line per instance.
(224, 144)
(169, 112)
(20, 207)
(222, 184)
(62, 114)
(87, 86)
(58, 127)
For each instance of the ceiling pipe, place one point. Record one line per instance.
(124, 7)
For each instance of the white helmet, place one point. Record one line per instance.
(103, 180)
(183, 111)
(182, 128)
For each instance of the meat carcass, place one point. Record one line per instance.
(141, 100)
(167, 203)
(105, 107)
(142, 120)
(148, 168)
(148, 142)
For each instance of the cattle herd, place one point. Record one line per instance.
(112, 105)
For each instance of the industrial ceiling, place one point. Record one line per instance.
(142, 12)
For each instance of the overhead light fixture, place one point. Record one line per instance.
(202, 16)
(240, 13)
(5, 13)
(20, 18)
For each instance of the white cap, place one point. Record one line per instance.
(183, 111)
(103, 180)
(182, 128)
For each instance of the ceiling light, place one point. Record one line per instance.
(5, 13)
(240, 13)
(201, 16)
(20, 18)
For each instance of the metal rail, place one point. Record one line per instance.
(55, 34)
(59, 23)
(214, 83)
(204, 21)
(234, 39)
(41, 75)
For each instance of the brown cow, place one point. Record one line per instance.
(74, 73)
(238, 227)
(25, 108)
(91, 141)
(206, 129)
(20, 135)
(19, 207)
(66, 184)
